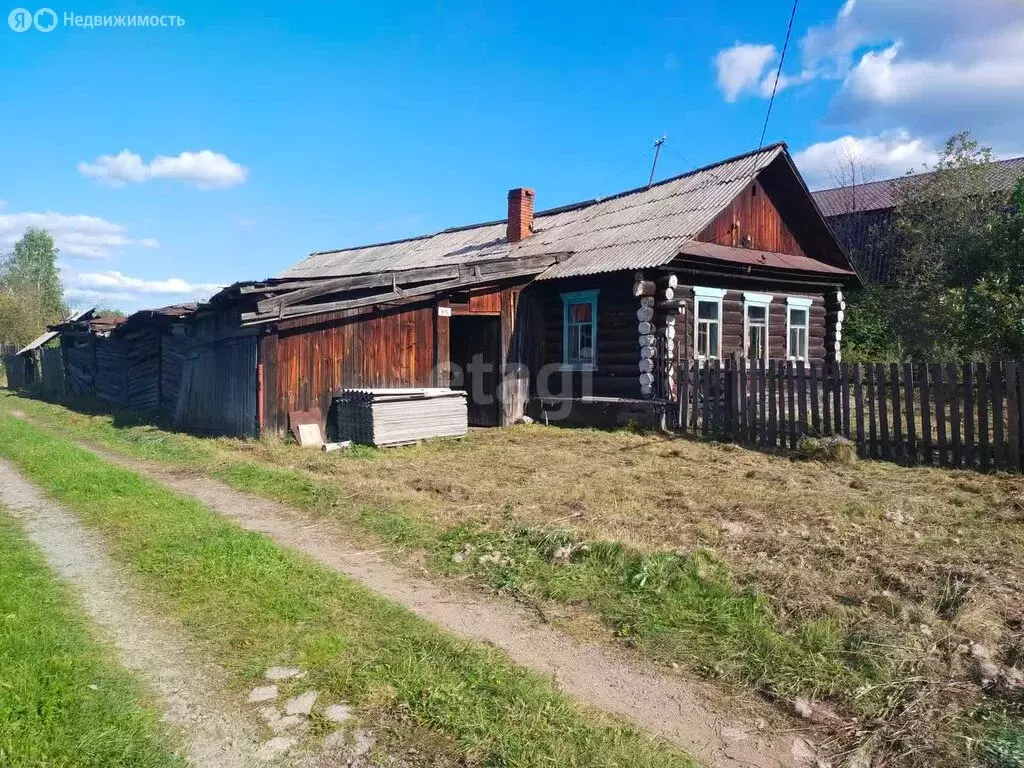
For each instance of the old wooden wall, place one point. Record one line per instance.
(752, 214)
(732, 321)
(617, 352)
(308, 359)
(217, 392)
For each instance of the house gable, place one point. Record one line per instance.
(752, 220)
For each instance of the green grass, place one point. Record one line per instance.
(64, 701)
(254, 604)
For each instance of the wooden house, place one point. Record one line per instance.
(581, 312)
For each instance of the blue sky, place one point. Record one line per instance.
(321, 125)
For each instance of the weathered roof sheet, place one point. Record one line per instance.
(641, 228)
(755, 258)
(880, 195)
(50, 335)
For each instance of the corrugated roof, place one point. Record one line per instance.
(637, 229)
(880, 195)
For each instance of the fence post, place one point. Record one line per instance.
(953, 395)
(940, 412)
(968, 376)
(844, 380)
(858, 400)
(983, 451)
(1013, 414)
(872, 431)
(790, 404)
(762, 403)
(995, 373)
(801, 392)
(926, 414)
(899, 447)
(826, 399)
(772, 418)
(908, 391)
(883, 410)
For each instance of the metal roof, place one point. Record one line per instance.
(50, 335)
(754, 258)
(884, 194)
(640, 228)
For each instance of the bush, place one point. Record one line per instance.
(831, 450)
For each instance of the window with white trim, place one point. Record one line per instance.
(798, 325)
(579, 328)
(707, 326)
(755, 325)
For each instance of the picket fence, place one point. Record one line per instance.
(949, 415)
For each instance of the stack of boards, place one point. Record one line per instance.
(398, 416)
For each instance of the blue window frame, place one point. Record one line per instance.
(579, 329)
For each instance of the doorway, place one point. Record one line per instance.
(475, 345)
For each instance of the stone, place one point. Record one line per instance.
(562, 556)
(803, 708)
(274, 748)
(265, 693)
(270, 714)
(894, 516)
(283, 673)
(301, 705)
(364, 743)
(338, 713)
(287, 723)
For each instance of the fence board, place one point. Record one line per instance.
(1013, 415)
(968, 376)
(940, 412)
(908, 393)
(815, 408)
(898, 449)
(953, 396)
(801, 392)
(858, 399)
(826, 400)
(790, 415)
(772, 419)
(844, 378)
(995, 373)
(683, 396)
(883, 410)
(872, 430)
(983, 443)
(926, 414)
(762, 420)
(696, 394)
(837, 406)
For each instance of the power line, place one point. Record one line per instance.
(778, 74)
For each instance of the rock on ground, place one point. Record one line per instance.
(301, 705)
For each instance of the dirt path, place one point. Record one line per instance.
(677, 709)
(215, 736)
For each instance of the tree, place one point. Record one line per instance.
(31, 294)
(959, 291)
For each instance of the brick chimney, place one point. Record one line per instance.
(520, 214)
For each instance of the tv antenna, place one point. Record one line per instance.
(657, 151)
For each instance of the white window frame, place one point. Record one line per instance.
(757, 300)
(798, 302)
(710, 295)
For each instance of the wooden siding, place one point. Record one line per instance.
(486, 302)
(317, 356)
(218, 388)
(732, 323)
(753, 214)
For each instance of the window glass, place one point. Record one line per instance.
(708, 328)
(707, 310)
(798, 332)
(579, 319)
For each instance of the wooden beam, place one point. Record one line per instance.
(494, 268)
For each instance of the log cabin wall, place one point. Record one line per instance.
(617, 351)
(732, 319)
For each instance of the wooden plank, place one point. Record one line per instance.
(953, 397)
(772, 419)
(717, 405)
(969, 432)
(801, 391)
(883, 410)
(926, 413)
(940, 412)
(826, 400)
(682, 396)
(984, 451)
(858, 399)
(837, 405)
(844, 392)
(815, 407)
(898, 446)
(705, 426)
(872, 429)
(762, 404)
(1013, 414)
(752, 404)
(908, 393)
(790, 405)
(995, 374)
(742, 432)
(697, 394)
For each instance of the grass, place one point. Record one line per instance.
(864, 585)
(64, 701)
(253, 604)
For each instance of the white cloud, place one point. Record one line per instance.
(742, 67)
(826, 164)
(933, 67)
(130, 293)
(203, 169)
(88, 237)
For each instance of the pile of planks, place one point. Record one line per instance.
(398, 416)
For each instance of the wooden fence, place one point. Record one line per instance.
(949, 415)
